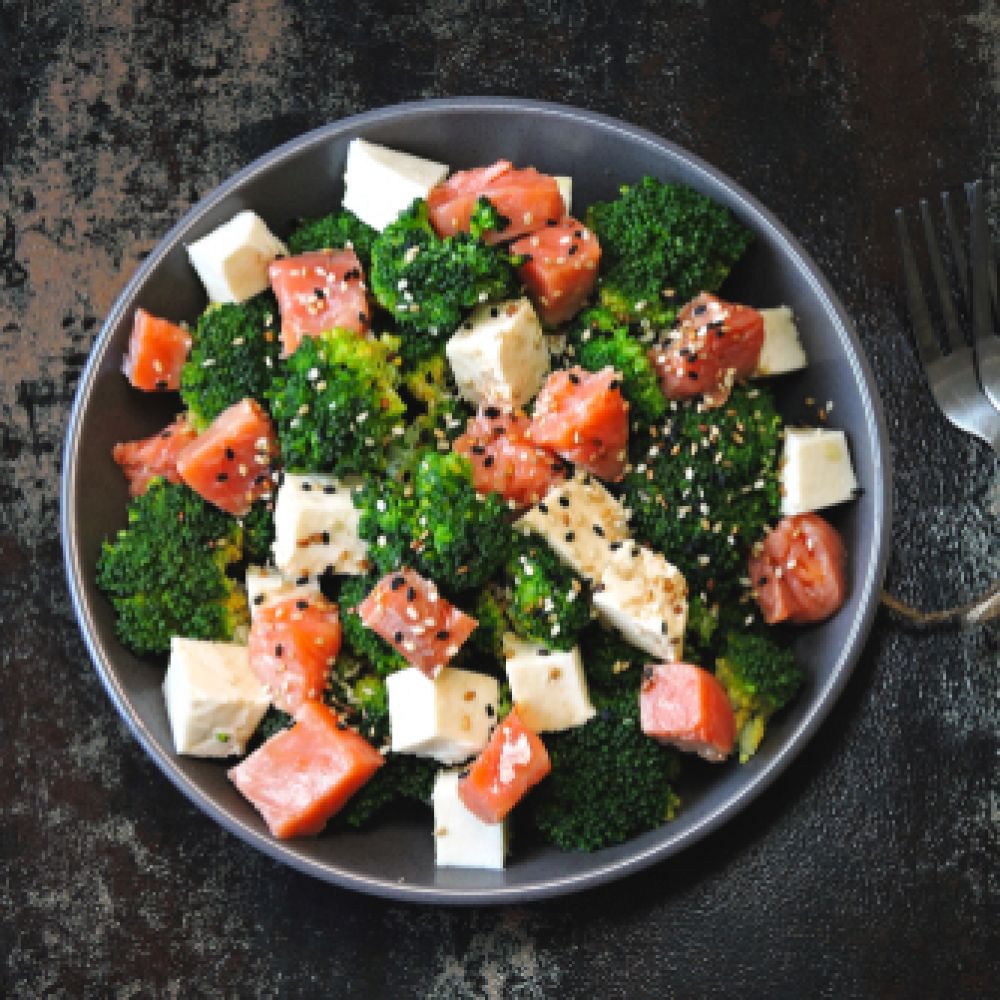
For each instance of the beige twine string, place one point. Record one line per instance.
(977, 612)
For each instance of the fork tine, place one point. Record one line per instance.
(923, 331)
(957, 249)
(985, 343)
(951, 326)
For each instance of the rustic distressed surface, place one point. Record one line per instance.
(869, 869)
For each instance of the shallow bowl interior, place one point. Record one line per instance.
(303, 178)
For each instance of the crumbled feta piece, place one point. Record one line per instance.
(548, 686)
(461, 839)
(499, 354)
(644, 597)
(316, 527)
(214, 700)
(265, 584)
(380, 182)
(567, 519)
(782, 350)
(816, 470)
(449, 718)
(232, 260)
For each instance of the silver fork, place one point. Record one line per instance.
(964, 379)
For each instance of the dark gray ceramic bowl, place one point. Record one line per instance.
(303, 178)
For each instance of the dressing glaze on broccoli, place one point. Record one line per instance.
(662, 244)
(335, 403)
(234, 354)
(165, 573)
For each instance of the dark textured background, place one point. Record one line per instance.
(869, 869)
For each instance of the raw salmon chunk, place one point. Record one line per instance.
(157, 351)
(583, 417)
(560, 268)
(318, 291)
(410, 614)
(302, 776)
(686, 706)
(154, 456)
(527, 198)
(293, 645)
(505, 460)
(230, 463)
(514, 761)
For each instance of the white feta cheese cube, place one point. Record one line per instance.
(232, 260)
(548, 685)
(644, 597)
(566, 190)
(582, 523)
(380, 182)
(461, 839)
(449, 718)
(499, 354)
(782, 350)
(816, 469)
(316, 527)
(214, 701)
(265, 584)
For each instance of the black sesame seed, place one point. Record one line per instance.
(325, 537)
(230, 454)
(301, 604)
(279, 649)
(478, 449)
(341, 725)
(647, 673)
(397, 582)
(442, 634)
(488, 461)
(258, 599)
(572, 250)
(411, 593)
(222, 477)
(302, 580)
(564, 501)
(494, 312)
(490, 711)
(543, 508)
(320, 294)
(570, 535)
(762, 581)
(363, 317)
(574, 378)
(307, 486)
(552, 222)
(599, 531)
(491, 412)
(693, 376)
(397, 637)
(329, 490)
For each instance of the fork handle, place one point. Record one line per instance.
(978, 612)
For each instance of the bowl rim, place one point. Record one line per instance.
(868, 582)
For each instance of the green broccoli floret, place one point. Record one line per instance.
(489, 608)
(258, 532)
(486, 218)
(610, 663)
(403, 778)
(432, 519)
(761, 678)
(702, 632)
(705, 488)
(429, 384)
(661, 244)
(609, 781)
(370, 701)
(165, 573)
(274, 722)
(234, 352)
(335, 403)
(331, 232)
(428, 283)
(360, 639)
(548, 601)
(595, 346)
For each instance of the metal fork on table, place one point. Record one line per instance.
(964, 378)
